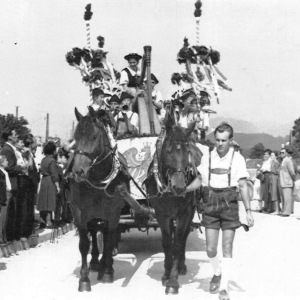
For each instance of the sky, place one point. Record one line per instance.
(259, 42)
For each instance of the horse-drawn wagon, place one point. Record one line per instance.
(138, 181)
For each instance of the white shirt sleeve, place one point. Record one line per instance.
(205, 120)
(124, 78)
(135, 120)
(158, 96)
(239, 169)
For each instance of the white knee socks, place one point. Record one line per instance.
(216, 265)
(226, 268)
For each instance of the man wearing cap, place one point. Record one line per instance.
(114, 104)
(127, 120)
(222, 172)
(287, 178)
(131, 74)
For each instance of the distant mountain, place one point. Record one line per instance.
(248, 140)
(243, 126)
(238, 125)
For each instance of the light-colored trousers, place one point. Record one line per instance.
(288, 200)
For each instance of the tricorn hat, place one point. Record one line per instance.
(132, 55)
(114, 98)
(204, 94)
(153, 77)
(176, 101)
(125, 95)
(188, 93)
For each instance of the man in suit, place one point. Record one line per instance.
(10, 137)
(287, 177)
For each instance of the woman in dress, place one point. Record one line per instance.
(264, 174)
(49, 184)
(275, 193)
(131, 74)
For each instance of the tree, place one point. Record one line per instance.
(296, 134)
(257, 151)
(10, 122)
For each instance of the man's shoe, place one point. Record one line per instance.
(223, 295)
(215, 284)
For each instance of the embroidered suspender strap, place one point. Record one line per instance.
(229, 170)
(209, 169)
(220, 171)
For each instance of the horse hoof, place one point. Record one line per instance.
(106, 277)
(84, 286)
(95, 266)
(172, 287)
(164, 279)
(182, 270)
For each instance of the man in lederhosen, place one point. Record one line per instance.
(222, 173)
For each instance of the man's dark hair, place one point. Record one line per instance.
(268, 151)
(27, 140)
(224, 127)
(97, 92)
(49, 148)
(6, 134)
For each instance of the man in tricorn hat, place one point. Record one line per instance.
(114, 104)
(131, 74)
(127, 120)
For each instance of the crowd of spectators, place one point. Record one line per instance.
(278, 176)
(31, 180)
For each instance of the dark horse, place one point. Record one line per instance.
(98, 191)
(168, 176)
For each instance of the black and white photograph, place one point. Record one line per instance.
(149, 149)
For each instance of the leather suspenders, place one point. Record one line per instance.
(220, 171)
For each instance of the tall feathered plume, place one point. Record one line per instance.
(101, 41)
(198, 10)
(88, 12)
(185, 52)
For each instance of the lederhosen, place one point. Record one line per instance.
(132, 80)
(220, 203)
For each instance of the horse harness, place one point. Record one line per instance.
(162, 185)
(116, 165)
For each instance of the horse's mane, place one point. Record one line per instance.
(177, 135)
(85, 130)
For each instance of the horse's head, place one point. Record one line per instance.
(91, 140)
(176, 155)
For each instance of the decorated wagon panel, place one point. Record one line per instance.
(138, 153)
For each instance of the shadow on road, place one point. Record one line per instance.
(137, 247)
(3, 266)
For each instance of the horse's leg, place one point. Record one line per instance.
(84, 246)
(182, 269)
(166, 234)
(106, 272)
(181, 233)
(94, 263)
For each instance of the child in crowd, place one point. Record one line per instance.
(5, 188)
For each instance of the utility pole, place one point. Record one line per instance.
(47, 128)
(73, 130)
(17, 112)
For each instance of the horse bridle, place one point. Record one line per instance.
(95, 161)
(185, 171)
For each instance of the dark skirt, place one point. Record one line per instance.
(265, 188)
(47, 195)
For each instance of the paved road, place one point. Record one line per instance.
(266, 266)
